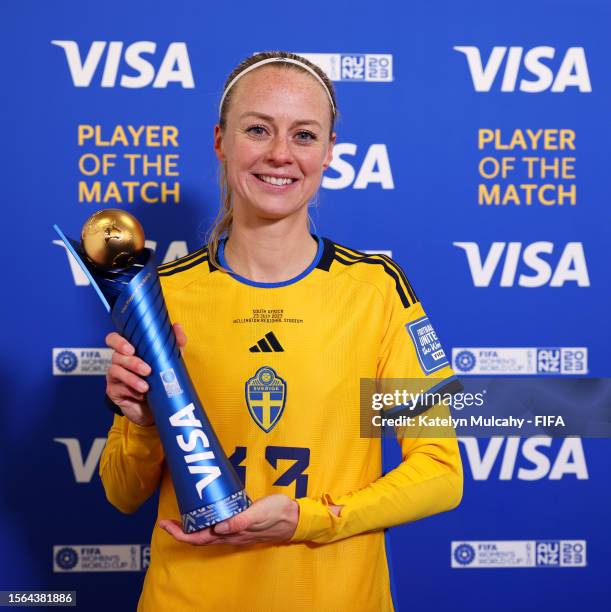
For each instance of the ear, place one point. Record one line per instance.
(218, 143)
(329, 154)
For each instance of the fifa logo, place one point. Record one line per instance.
(140, 57)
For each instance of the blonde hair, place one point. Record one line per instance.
(224, 218)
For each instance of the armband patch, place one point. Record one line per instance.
(428, 348)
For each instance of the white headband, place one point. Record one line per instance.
(269, 60)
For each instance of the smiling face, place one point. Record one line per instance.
(276, 142)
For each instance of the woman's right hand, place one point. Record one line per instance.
(125, 384)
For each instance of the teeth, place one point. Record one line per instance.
(272, 180)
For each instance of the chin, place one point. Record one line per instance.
(275, 214)
(274, 211)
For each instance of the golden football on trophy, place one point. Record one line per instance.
(111, 238)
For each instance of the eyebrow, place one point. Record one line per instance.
(271, 119)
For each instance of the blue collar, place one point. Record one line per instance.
(290, 281)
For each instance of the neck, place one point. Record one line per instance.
(270, 251)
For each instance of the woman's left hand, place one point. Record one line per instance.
(269, 519)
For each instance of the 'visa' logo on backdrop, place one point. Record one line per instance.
(525, 455)
(83, 465)
(375, 168)
(573, 70)
(173, 67)
(571, 266)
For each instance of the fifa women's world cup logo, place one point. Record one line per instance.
(124, 274)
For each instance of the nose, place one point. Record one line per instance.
(279, 151)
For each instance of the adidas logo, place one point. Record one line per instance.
(267, 344)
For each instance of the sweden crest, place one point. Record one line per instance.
(265, 398)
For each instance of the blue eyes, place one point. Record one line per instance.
(301, 135)
(308, 135)
(257, 130)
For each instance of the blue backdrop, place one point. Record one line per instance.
(435, 100)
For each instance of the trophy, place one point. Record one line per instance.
(124, 274)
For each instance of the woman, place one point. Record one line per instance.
(267, 301)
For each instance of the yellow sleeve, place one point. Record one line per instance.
(131, 464)
(429, 479)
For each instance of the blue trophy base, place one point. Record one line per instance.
(214, 513)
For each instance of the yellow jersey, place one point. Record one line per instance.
(278, 368)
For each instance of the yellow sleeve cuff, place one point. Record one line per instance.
(142, 441)
(316, 520)
(146, 431)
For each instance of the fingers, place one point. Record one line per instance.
(117, 374)
(240, 522)
(263, 514)
(124, 383)
(267, 520)
(207, 537)
(119, 343)
(132, 363)
(243, 539)
(200, 538)
(181, 337)
(124, 375)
